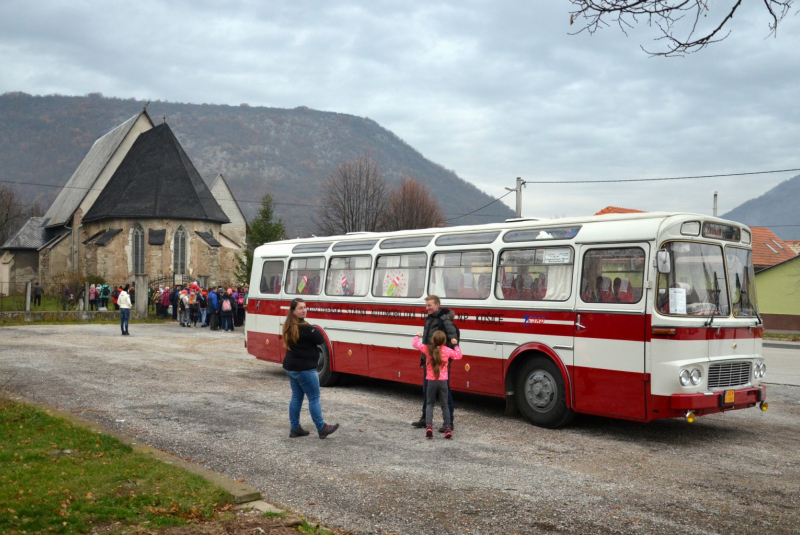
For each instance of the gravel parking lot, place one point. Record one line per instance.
(201, 396)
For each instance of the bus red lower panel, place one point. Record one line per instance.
(477, 375)
(350, 358)
(610, 392)
(265, 346)
(395, 364)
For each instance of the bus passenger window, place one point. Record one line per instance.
(461, 275)
(271, 274)
(612, 275)
(348, 276)
(543, 274)
(304, 275)
(401, 275)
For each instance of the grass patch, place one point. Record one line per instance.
(56, 477)
(787, 337)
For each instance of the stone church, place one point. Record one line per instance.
(135, 205)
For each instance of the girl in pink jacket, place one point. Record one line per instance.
(437, 356)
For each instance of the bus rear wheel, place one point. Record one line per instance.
(326, 376)
(540, 394)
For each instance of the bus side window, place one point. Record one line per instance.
(542, 274)
(271, 271)
(400, 275)
(303, 276)
(457, 274)
(614, 275)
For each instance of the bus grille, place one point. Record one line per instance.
(728, 374)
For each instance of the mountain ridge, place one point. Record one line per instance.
(287, 151)
(775, 210)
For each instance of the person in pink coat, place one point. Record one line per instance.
(437, 355)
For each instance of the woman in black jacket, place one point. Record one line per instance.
(301, 341)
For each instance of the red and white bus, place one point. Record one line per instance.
(633, 316)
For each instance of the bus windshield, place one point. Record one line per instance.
(696, 285)
(742, 281)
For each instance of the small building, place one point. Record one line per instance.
(768, 249)
(778, 288)
(135, 205)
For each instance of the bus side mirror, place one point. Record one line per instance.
(662, 262)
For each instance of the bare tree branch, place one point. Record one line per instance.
(412, 206)
(681, 36)
(354, 198)
(14, 213)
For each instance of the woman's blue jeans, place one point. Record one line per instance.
(124, 317)
(305, 383)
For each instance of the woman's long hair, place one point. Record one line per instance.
(291, 333)
(435, 351)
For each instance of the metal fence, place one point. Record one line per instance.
(45, 295)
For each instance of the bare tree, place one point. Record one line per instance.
(14, 212)
(412, 206)
(354, 198)
(682, 23)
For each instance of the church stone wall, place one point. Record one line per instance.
(114, 260)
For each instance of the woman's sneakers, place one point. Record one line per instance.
(327, 430)
(448, 433)
(429, 431)
(299, 432)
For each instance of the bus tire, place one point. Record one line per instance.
(326, 376)
(540, 393)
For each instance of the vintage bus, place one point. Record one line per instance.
(633, 316)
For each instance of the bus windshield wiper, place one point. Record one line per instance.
(711, 319)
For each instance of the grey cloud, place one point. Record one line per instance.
(492, 91)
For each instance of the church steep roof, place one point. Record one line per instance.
(33, 235)
(156, 179)
(84, 177)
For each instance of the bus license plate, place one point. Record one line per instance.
(730, 396)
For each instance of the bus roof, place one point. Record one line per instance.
(593, 228)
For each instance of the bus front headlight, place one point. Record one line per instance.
(685, 377)
(696, 376)
(762, 369)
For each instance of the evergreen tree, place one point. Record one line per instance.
(260, 231)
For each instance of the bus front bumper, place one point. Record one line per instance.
(704, 403)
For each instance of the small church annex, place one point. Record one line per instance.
(135, 205)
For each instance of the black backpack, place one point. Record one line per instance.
(458, 336)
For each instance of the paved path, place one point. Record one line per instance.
(201, 396)
(783, 363)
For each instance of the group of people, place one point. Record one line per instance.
(215, 308)
(437, 344)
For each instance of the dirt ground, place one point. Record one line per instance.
(200, 396)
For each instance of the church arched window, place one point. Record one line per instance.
(138, 250)
(179, 251)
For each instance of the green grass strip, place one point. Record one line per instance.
(56, 477)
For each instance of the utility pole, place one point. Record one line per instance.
(518, 189)
(715, 204)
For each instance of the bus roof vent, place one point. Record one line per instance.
(522, 219)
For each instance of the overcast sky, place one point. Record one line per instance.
(491, 90)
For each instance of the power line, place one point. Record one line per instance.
(656, 179)
(482, 207)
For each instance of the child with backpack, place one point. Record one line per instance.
(437, 358)
(194, 308)
(227, 308)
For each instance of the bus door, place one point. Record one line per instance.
(610, 326)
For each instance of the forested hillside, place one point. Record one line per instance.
(43, 139)
(776, 209)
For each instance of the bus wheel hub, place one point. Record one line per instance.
(540, 390)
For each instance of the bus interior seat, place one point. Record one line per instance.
(606, 291)
(466, 286)
(484, 285)
(507, 286)
(626, 291)
(525, 285)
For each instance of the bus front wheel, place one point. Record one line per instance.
(540, 393)
(326, 376)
